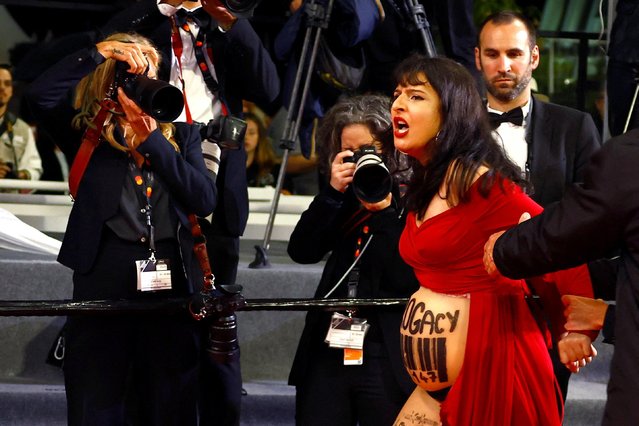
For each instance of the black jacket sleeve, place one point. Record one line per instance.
(317, 231)
(590, 221)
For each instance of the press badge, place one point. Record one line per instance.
(153, 274)
(346, 332)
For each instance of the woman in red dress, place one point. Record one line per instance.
(469, 340)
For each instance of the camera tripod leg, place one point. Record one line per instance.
(317, 19)
(632, 108)
(261, 258)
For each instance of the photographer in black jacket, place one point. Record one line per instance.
(362, 238)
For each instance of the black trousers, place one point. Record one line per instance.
(220, 392)
(140, 370)
(335, 394)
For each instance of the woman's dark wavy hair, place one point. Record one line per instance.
(464, 142)
(373, 111)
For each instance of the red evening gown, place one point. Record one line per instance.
(507, 376)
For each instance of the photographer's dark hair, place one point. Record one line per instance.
(373, 111)
(7, 67)
(505, 17)
(464, 142)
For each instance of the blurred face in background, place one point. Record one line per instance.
(252, 136)
(6, 87)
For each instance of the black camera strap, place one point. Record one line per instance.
(7, 126)
(201, 52)
(357, 220)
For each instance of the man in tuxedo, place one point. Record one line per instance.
(217, 60)
(551, 143)
(591, 219)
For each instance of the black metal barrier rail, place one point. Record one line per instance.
(10, 308)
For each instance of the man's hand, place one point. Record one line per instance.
(220, 13)
(24, 175)
(4, 170)
(174, 3)
(584, 313)
(489, 247)
(575, 351)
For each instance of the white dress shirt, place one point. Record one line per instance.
(513, 138)
(203, 105)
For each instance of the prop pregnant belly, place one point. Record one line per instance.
(433, 337)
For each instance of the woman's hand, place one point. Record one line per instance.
(141, 123)
(136, 55)
(342, 172)
(575, 350)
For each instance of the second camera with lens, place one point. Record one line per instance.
(226, 131)
(372, 182)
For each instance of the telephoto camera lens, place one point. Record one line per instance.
(157, 98)
(223, 345)
(372, 181)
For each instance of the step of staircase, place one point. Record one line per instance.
(265, 404)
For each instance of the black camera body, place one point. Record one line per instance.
(12, 173)
(226, 131)
(157, 98)
(372, 181)
(216, 307)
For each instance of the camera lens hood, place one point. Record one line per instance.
(372, 181)
(157, 98)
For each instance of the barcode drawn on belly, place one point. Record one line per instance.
(426, 356)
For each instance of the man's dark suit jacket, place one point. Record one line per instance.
(244, 70)
(590, 221)
(561, 141)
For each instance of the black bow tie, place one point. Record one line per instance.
(199, 16)
(515, 116)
